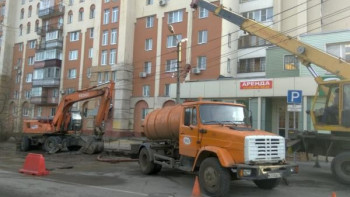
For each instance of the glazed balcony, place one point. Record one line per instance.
(52, 44)
(47, 82)
(51, 12)
(48, 63)
(44, 100)
(41, 31)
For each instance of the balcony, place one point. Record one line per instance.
(51, 12)
(41, 31)
(52, 44)
(44, 100)
(48, 63)
(47, 82)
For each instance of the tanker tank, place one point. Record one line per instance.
(163, 124)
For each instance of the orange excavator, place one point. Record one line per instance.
(62, 132)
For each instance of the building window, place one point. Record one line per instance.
(88, 73)
(72, 73)
(171, 65)
(73, 55)
(146, 91)
(28, 28)
(341, 50)
(38, 112)
(105, 38)
(251, 41)
(147, 67)
(228, 65)
(115, 12)
(260, 15)
(175, 16)
(31, 60)
(92, 11)
(251, 65)
(91, 32)
(27, 94)
(81, 14)
(91, 53)
(106, 76)
(25, 111)
(202, 62)
(167, 90)
(30, 11)
(70, 17)
(38, 74)
(55, 93)
(172, 40)
(148, 44)
(20, 30)
(20, 47)
(149, 2)
(71, 2)
(74, 36)
(70, 90)
(144, 113)
(36, 91)
(107, 1)
(53, 111)
(229, 40)
(114, 76)
(203, 13)
(106, 16)
(112, 56)
(36, 25)
(290, 62)
(99, 77)
(202, 37)
(22, 14)
(104, 57)
(149, 21)
(113, 36)
(32, 44)
(29, 78)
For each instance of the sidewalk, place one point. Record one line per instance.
(123, 144)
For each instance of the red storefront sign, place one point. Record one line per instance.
(258, 84)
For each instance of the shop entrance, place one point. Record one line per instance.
(286, 120)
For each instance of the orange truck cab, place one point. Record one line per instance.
(216, 140)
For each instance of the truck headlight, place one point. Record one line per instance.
(245, 172)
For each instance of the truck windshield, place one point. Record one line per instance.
(223, 114)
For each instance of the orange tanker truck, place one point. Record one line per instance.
(215, 140)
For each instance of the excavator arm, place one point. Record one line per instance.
(305, 53)
(105, 91)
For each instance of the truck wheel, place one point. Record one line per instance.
(267, 183)
(213, 178)
(341, 167)
(147, 166)
(52, 144)
(25, 143)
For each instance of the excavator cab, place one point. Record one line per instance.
(331, 106)
(75, 122)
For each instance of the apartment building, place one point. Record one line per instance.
(56, 47)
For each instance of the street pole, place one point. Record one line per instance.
(178, 72)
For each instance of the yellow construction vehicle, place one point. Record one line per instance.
(331, 105)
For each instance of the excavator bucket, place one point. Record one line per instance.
(92, 145)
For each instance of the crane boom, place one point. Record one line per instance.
(306, 54)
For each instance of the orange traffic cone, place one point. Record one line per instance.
(34, 165)
(196, 192)
(334, 194)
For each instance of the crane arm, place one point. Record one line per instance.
(305, 53)
(106, 93)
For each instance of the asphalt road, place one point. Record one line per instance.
(73, 174)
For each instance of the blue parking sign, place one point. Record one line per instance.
(294, 96)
